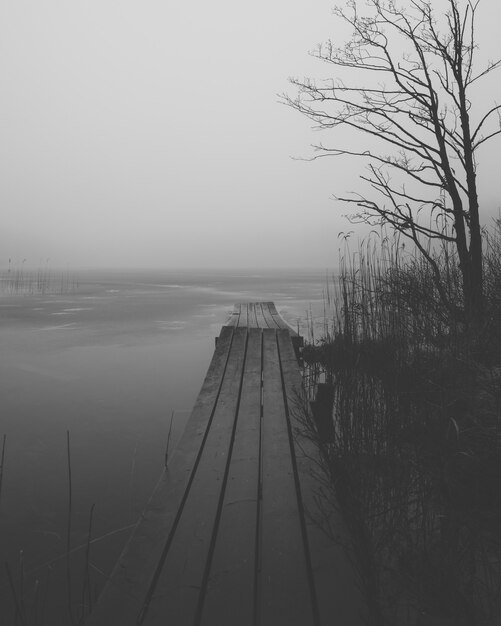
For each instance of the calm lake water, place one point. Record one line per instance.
(110, 362)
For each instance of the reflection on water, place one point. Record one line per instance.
(109, 363)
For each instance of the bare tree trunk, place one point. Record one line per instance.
(474, 291)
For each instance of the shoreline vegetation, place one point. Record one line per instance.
(20, 280)
(411, 439)
(411, 446)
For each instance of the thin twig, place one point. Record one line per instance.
(86, 591)
(21, 578)
(2, 464)
(68, 531)
(46, 594)
(81, 547)
(19, 611)
(34, 605)
(131, 481)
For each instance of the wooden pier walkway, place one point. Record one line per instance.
(229, 537)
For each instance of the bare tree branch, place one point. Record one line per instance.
(417, 68)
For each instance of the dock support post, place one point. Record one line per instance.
(322, 411)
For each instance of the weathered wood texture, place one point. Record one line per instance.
(258, 315)
(230, 536)
(263, 315)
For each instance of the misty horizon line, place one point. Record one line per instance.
(46, 266)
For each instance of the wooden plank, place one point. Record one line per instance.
(284, 595)
(176, 594)
(297, 340)
(251, 315)
(281, 323)
(230, 594)
(121, 602)
(270, 320)
(262, 322)
(235, 316)
(243, 319)
(260, 315)
(336, 589)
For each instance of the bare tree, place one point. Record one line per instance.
(417, 70)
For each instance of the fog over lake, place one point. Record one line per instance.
(151, 134)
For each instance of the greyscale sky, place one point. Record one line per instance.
(148, 133)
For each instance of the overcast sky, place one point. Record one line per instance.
(148, 133)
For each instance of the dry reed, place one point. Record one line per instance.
(415, 456)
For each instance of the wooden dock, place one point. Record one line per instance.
(230, 536)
